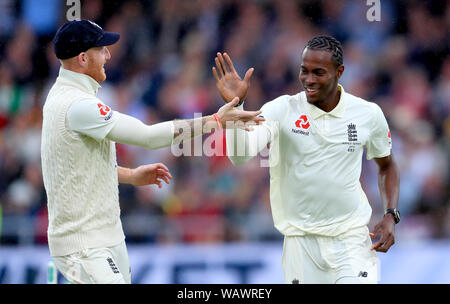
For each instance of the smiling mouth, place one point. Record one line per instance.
(311, 91)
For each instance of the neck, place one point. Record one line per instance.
(72, 67)
(331, 102)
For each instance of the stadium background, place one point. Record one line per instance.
(213, 223)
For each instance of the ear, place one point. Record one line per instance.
(339, 71)
(82, 59)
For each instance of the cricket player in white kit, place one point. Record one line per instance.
(317, 138)
(79, 166)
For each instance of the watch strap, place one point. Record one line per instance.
(395, 213)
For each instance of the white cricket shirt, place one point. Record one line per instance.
(316, 160)
(79, 170)
(79, 163)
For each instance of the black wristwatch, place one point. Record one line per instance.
(395, 213)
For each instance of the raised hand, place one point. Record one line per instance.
(228, 81)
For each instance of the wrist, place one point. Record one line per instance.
(391, 216)
(394, 213)
(217, 120)
(125, 175)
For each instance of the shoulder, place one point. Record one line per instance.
(280, 103)
(89, 109)
(88, 104)
(363, 106)
(367, 111)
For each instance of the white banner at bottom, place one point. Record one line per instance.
(243, 263)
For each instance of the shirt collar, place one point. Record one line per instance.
(82, 81)
(338, 111)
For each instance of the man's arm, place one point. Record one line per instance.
(389, 186)
(241, 146)
(131, 131)
(228, 117)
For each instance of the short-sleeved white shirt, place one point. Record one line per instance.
(316, 167)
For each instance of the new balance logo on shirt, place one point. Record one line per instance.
(112, 265)
(363, 274)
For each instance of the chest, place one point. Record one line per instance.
(325, 134)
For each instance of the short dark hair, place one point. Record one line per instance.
(330, 44)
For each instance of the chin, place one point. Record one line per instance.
(313, 100)
(101, 78)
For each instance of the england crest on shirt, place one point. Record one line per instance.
(352, 134)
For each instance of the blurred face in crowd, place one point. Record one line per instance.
(95, 60)
(319, 76)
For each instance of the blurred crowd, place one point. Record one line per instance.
(161, 70)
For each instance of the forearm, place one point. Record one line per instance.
(131, 131)
(243, 146)
(189, 128)
(389, 185)
(124, 175)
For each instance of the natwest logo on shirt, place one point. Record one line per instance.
(104, 110)
(302, 122)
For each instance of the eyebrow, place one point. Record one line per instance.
(315, 69)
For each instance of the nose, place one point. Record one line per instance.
(306, 79)
(309, 79)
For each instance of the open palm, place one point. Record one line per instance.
(228, 82)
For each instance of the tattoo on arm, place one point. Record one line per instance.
(189, 128)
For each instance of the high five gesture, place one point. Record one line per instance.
(228, 81)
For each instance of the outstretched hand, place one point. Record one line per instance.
(228, 82)
(151, 174)
(231, 117)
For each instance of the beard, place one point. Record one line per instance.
(97, 72)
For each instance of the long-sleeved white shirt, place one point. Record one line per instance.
(79, 163)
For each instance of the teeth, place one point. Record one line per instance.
(310, 90)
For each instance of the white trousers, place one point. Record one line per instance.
(96, 266)
(346, 258)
